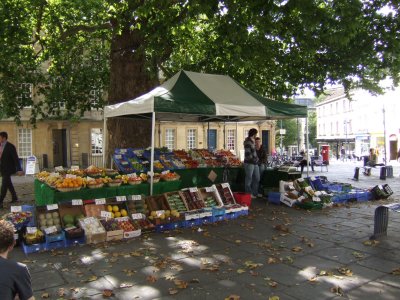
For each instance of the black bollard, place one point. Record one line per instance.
(389, 172)
(356, 173)
(382, 175)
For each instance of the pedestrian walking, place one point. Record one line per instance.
(15, 280)
(262, 163)
(9, 164)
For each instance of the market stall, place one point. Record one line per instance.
(199, 97)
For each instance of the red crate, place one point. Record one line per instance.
(242, 198)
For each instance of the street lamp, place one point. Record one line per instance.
(346, 148)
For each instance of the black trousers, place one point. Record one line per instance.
(6, 184)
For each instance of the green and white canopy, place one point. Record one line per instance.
(199, 97)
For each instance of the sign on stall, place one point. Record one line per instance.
(32, 165)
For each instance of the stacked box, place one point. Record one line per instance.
(211, 196)
(70, 215)
(113, 230)
(94, 231)
(136, 204)
(193, 198)
(176, 202)
(225, 193)
(130, 228)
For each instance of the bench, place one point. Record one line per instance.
(381, 219)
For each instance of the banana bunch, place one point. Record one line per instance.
(33, 238)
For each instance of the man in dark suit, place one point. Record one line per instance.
(9, 164)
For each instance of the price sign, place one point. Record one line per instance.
(160, 212)
(16, 236)
(224, 185)
(120, 198)
(15, 209)
(54, 174)
(137, 216)
(70, 228)
(145, 162)
(77, 202)
(105, 214)
(209, 189)
(89, 178)
(74, 168)
(193, 190)
(118, 156)
(52, 206)
(50, 230)
(59, 168)
(31, 230)
(100, 201)
(165, 172)
(70, 176)
(136, 197)
(132, 175)
(123, 150)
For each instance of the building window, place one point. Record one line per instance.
(170, 138)
(191, 139)
(246, 133)
(26, 93)
(337, 127)
(230, 139)
(344, 105)
(96, 137)
(24, 142)
(337, 107)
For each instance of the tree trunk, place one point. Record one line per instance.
(129, 78)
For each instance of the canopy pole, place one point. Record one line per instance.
(208, 135)
(224, 135)
(307, 155)
(105, 140)
(236, 142)
(153, 129)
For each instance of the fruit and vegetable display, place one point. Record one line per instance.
(49, 219)
(110, 224)
(127, 224)
(35, 237)
(71, 225)
(225, 193)
(136, 206)
(193, 198)
(175, 202)
(210, 201)
(170, 176)
(92, 226)
(144, 224)
(117, 211)
(19, 219)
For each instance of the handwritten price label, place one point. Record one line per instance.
(209, 189)
(52, 206)
(165, 172)
(136, 197)
(137, 216)
(15, 209)
(105, 214)
(77, 202)
(160, 212)
(225, 185)
(193, 190)
(100, 201)
(31, 230)
(123, 150)
(74, 168)
(120, 198)
(70, 176)
(50, 230)
(118, 156)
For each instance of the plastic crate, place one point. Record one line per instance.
(32, 248)
(165, 227)
(218, 211)
(231, 216)
(274, 197)
(206, 220)
(243, 212)
(310, 205)
(55, 237)
(54, 245)
(381, 191)
(218, 218)
(339, 198)
(316, 183)
(75, 241)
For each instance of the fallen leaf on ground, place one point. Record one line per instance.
(282, 228)
(233, 297)
(45, 295)
(252, 265)
(371, 243)
(325, 273)
(194, 280)
(151, 279)
(337, 290)
(313, 279)
(172, 291)
(395, 271)
(297, 249)
(273, 298)
(91, 278)
(358, 254)
(273, 284)
(289, 259)
(61, 292)
(253, 273)
(135, 253)
(107, 293)
(180, 284)
(240, 271)
(212, 268)
(345, 271)
(273, 260)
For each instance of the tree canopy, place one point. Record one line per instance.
(83, 54)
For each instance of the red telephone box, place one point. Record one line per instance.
(325, 153)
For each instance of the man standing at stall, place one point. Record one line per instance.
(9, 164)
(251, 169)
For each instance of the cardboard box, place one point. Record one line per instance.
(93, 238)
(211, 192)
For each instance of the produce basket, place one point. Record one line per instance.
(95, 186)
(136, 181)
(114, 183)
(68, 189)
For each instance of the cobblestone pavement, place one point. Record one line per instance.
(275, 251)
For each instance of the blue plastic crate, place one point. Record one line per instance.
(206, 220)
(54, 245)
(339, 198)
(218, 218)
(75, 241)
(316, 183)
(55, 237)
(194, 222)
(274, 197)
(218, 211)
(32, 248)
(231, 216)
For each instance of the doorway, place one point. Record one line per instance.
(60, 147)
(393, 147)
(212, 139)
